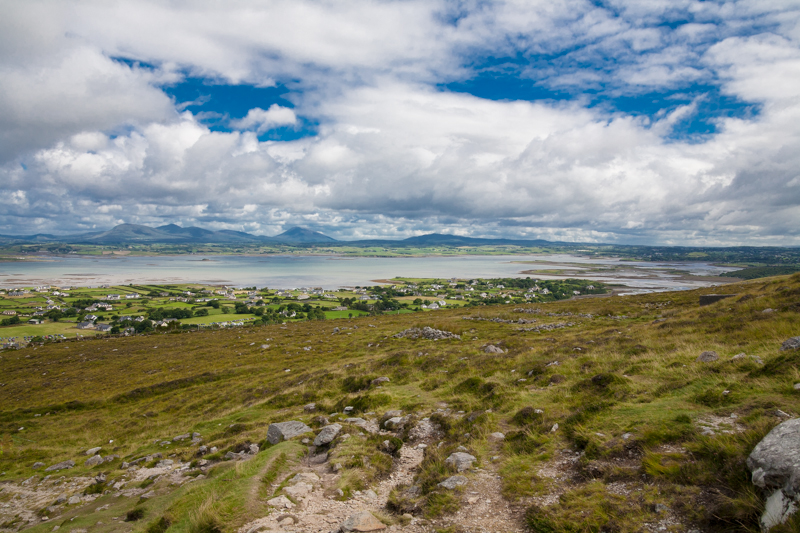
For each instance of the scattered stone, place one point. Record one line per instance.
(796, 386)
(369, 494)
(327, 434)
(318, 459)
(281, 502)
(362, 522)
(791, 344)
(395, 422)
(775, 467)
(93, 461)
(254, 449)
(93, 451)
(453, 482)
(37, 465)
(110, 458)
(285, 431)
(626, 436)
(426, 333)
(304, 477)
(63, 465)
(782, 414)
(347, 410)
(707, 357)
(147, 495)
(460, 460)
(310, 407)
(767, 311)
(491, 348)
(554, 428)
(497, 436)
(378, 381)
(74, 500)
(179, 438)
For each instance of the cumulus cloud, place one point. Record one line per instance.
(88, 141)
(260, 120)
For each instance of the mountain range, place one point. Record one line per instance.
(174, 234)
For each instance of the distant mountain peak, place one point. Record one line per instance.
(298, 234)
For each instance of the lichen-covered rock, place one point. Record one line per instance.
(426, 333)
(460, 460)
(775, 467)
(363, 522)
(791, 344)
(285, 431)
(453, 482)
(327, 434)
(93, 461)
(707, 357)
(63, 465)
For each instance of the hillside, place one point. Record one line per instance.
(609, 422)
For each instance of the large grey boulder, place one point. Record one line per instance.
(93, 451)
(327, 434)
(63, 465)
(460, 460)
(775, 465)
(791, 344)
(285, 431)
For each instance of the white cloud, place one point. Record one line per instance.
(261, 120)
(88, 141)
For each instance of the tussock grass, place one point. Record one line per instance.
(598, 380)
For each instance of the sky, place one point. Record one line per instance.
(664, 122)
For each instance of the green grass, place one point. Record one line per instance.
(631, 376)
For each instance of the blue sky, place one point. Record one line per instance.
(660, 122)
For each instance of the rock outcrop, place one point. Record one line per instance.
(460, 461)
(775, 466)
(285, 431)
(791, 344)
(327, 434)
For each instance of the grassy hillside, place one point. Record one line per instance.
(605, 392)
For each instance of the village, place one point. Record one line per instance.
(46, 312)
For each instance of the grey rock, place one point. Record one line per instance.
(37, 465)
(147, 495)
(369, 494)
(775, 467)
(232, 456)
(497, 436)
(196, 435)
(298, 490)
(61, 498)
(348, 409)
(707, 357)
(179, 438)
(93, 461)
(281, 502)
(453, 482)
(93, 451)
(460, 460)
(361, 522)
(110, 458)
(202, 450)
(327, 434)
(791, 344)
(796, 386)
(378, 381)
(310, 407)
(165, 463)
(393, 413)
(254, 449)
(491, 348)
(318, 459)
(74, 500)
(63, 465)
(285, 431)
(394, 422)
(426, 333)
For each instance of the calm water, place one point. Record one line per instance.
(283, 271)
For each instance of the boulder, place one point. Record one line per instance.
(310, 407)
(93, 451)
(707, 357)
(791, 344)
(327, 434)
(395, 422)
(63, 465)
(285, 431)
(93, 461)
(304, 477)
(37, 465)
(74, 500)
(491, 348)
(497, 436)
(775, 467)
(460, 460)
(453, 482)
(281, 502)
(179, 438)
(298, 490)
(378, 381)
(363, 521)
